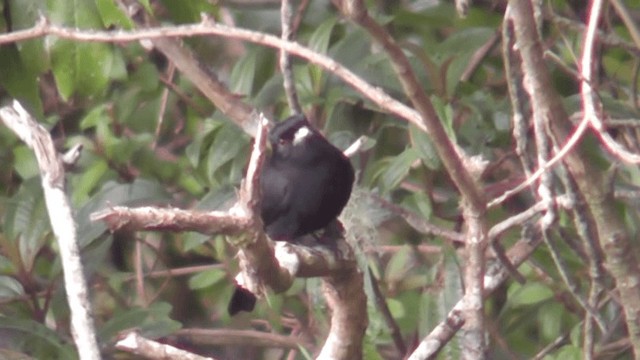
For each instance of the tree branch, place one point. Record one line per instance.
(207, 27)
(453, 159)
(36, 137)
(288, 32)
(262, 264)
(621, 260)
(431, 345)
(137, 344)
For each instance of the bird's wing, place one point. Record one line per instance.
(276, 200)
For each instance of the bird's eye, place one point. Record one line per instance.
(281, 141)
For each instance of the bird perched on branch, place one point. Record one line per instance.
(305, 183)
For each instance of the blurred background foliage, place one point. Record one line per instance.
(150, 138)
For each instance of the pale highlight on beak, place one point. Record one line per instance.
(302, 133)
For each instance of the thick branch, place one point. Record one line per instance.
(453, 160)
(345, 296)
(216, 91)
(37, 138)
(621, 260)
(171, 219)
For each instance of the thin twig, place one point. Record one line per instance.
(163, 105)
(383, 307)
(286, 21)
(610, 39)
(479, 55)
(573, 140)
(208, 27)
(591, 109)
(628, 21)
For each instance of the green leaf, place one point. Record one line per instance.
(441, 15)
(321, 37)
(271, 92)
(550, 320)
(377, 69)
(79, 67)
(138, 108)
(147, 77)
(147, 6)
(6, 266)
(153, 322)
(112, 194)
(306, 354)
(420, 203)
(576, 334)
(351, 49)
(445, 113)
(430, 314)
(187, 11)
(91, 177)
(19, 81)
(24, 14)
(396, 308)
(244, 73)
(453, 288)
(27, 221)
(397, 267)
(201, 140)
(25, 162)
(370, 350)
(96, 116)
(122, 150)
(398, 169)
(206, 279)
(528, 294)
(10, 287)
(465, 41)
(112, 15)
(191, 184)
(220, 199)
(228, 143)
(459, 47)
(424, 146)
(35, 338)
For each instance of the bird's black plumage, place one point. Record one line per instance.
(241, 300)
(305, 184)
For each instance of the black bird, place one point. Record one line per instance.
(305, 183)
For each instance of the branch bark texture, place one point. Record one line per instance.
(621, 260)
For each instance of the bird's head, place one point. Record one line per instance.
(290, 137)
